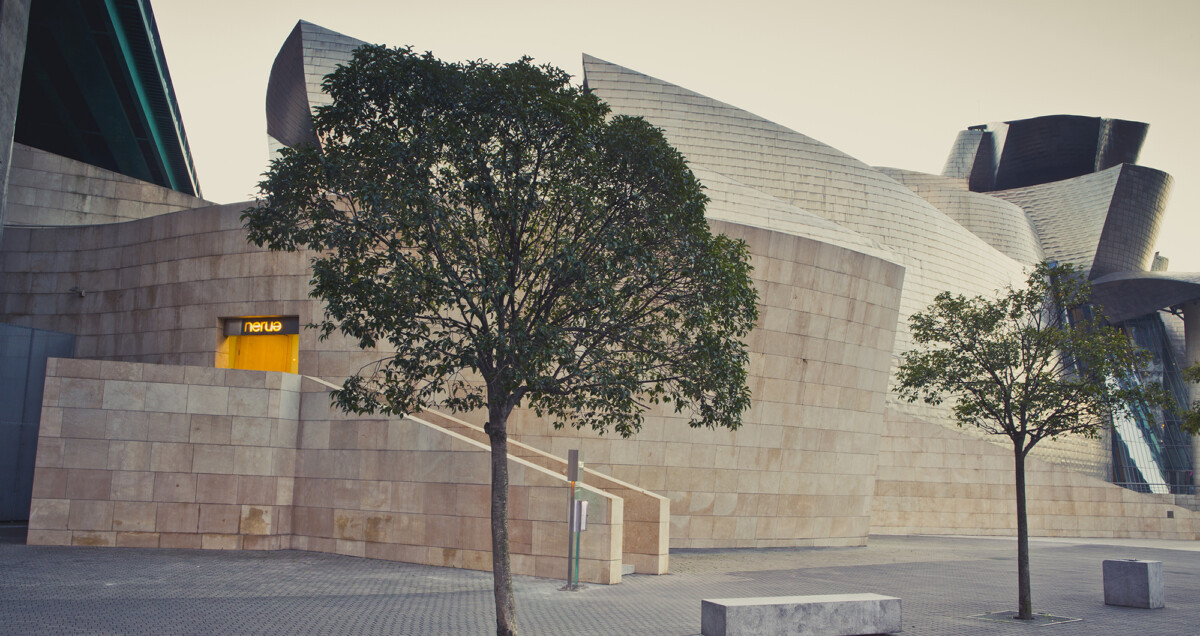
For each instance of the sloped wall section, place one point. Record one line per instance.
(935, 480)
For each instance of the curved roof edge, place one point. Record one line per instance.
(1029, 152)
(1126, 295)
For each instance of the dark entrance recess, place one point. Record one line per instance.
(23, 354)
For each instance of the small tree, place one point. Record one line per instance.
(512, 244)
(1032, 364)
(1190, 416)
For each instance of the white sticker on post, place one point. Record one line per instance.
(579, 523)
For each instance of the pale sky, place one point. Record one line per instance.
(888, 82)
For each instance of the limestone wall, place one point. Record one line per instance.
(48, 189)
(934, 480)
(154, 290)
(646, 524)
(142, 455)
(137, 455)
(801, 469)
(409, 491)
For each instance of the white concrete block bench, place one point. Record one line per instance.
(1134, 583)
(816, 615)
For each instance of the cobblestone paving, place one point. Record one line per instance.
(942, 581)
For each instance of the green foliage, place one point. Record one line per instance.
(492, 222)
(1190, 418)
(1030, 364)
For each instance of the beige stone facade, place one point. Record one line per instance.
(47, 189)
(145, 443)
(144, 455)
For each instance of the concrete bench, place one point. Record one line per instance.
(817, 615)
(1134, 583)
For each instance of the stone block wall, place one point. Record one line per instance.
(144, 455)
(801, 468)
(934, 480)
(49, 189)
(406, 490)
(137, 455)
(155, 290)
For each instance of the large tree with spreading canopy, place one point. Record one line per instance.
(503, 241)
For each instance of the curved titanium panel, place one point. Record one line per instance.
(975, 155)
(737, 203)
(1134, 218)
(289, 118)
(1103, 222)
(1003, 225)
(1068, 215)
(309, 54)
(962, 155)
(1046, 149)
(1120, 142)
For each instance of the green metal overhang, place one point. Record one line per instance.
(96, 89)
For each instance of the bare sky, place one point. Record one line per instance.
(888, 82)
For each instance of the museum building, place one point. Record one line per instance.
(161, 390)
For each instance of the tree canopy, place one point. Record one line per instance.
(1033, 363)
(502, 240)
(493, 219)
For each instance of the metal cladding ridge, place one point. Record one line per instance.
(1002, 224)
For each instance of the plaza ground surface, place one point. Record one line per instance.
(943, 582)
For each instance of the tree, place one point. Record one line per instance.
(1034, 363)
(512, 244)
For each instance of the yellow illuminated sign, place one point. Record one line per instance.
(262, 326)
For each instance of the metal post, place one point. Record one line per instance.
(578, 531)
(573, 473)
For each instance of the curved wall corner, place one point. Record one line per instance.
(975, 155)
(1120, 142)
(1134, 219)
(937, 253)
(963, 154)
(801, 469)
(799, 472)
(289, 115)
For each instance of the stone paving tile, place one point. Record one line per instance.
(942, 581)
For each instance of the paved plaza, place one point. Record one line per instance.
(943, 582)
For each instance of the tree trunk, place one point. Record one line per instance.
(1024, 594)
(506, 610)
